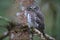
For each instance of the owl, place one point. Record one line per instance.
(35, 18)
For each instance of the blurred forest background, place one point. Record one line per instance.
(50, 8)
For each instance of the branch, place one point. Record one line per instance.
(42, 37)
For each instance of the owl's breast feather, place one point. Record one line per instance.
(29, 20)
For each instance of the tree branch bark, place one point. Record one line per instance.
(42, 37)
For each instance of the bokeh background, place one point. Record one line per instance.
(50, 8)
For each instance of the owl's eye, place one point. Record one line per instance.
(36, 8)
(29, 9)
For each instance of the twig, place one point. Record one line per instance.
(42, 37)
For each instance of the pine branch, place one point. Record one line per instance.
(3, 18)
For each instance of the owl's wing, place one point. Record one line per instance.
(39, 14)
(39, 19)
